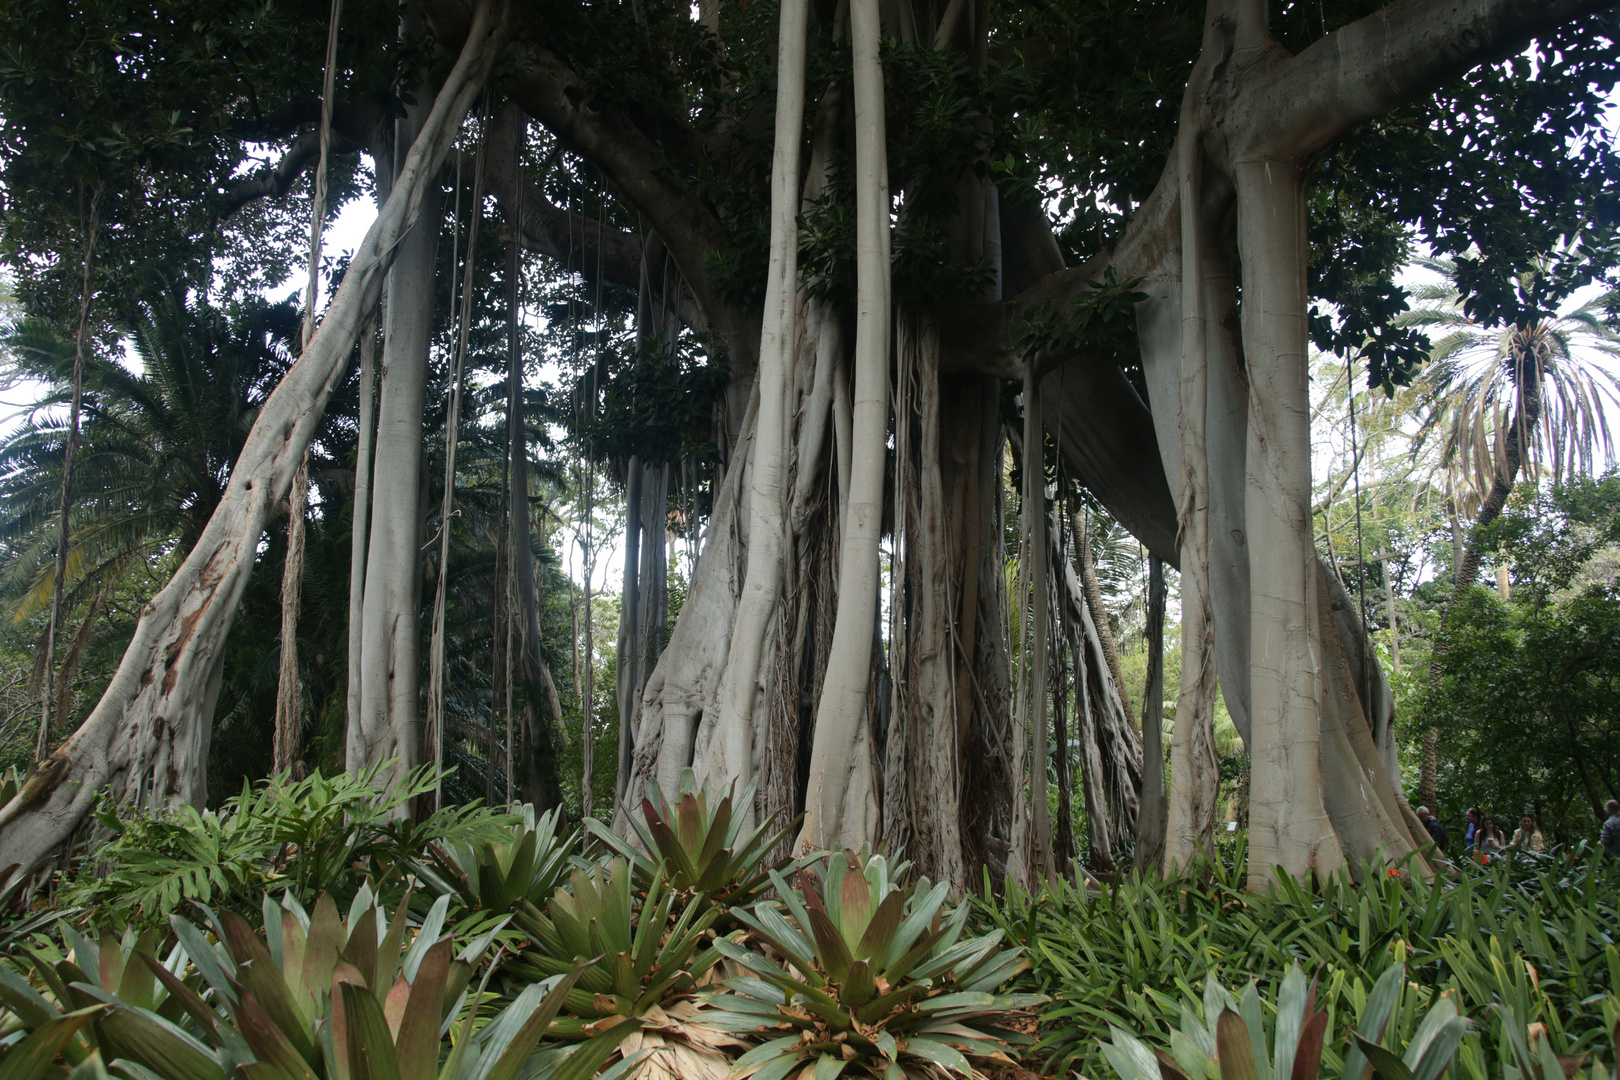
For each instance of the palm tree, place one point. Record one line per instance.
(157, 447)
(1502, 401)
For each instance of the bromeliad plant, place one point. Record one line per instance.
(638, 966)
(318, 998)
(491, 880)
(630, 957)
(698, 846)
(874, 979)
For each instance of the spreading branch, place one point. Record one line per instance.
(274, 181)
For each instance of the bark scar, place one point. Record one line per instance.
(47, 775)
(172, 653)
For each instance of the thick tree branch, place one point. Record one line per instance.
(1400, 52)
(554, 94)
(581, 244)
(275, 181)
(368, 127)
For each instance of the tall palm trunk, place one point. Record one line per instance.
(1527, 417)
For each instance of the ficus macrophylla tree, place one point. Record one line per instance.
(882, 275)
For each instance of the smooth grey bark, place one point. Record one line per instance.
(841, 800)
(147, 738)
(1403, 48)
(1035, 546)
(389, 724)
(1194, 775)
(643, 598)
(737, 733)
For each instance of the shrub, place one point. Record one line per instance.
(320, 835)
(1132, 956)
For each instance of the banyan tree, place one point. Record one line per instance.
(959, 260)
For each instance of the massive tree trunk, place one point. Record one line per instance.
(148, 736)
(1290, 673)
(389, 724)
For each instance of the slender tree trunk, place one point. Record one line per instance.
(841, 799)
(390, 722)
(1194, 776)
(360, 514)
(1094, 599)
(1063, 851)
(91, 223)
(288, 747)
(1389, 605)
(433, 750)
(1034, 513)
(540, 757)
(148, 736)
(588, 662)
(743, 701)
(1150, 820)
(75, 654)
(629, 619)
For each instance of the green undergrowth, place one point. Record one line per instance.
(1536, 938)
(514, 948)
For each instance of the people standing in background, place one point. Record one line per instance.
(1527, 837)
(1471, 835)
(1610, 837)
(1437, 831)
(1489, 838)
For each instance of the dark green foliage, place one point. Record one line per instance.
(657, 404)
(1528, 699)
